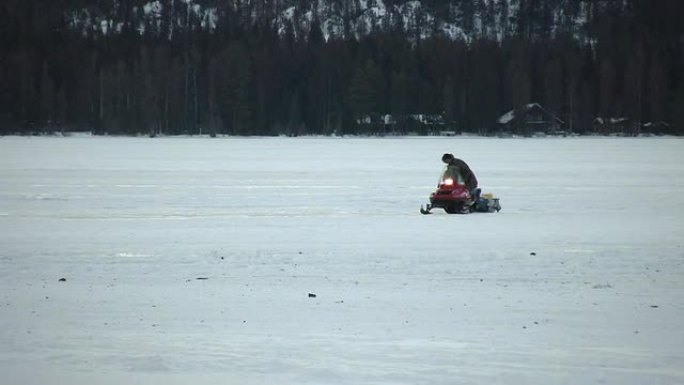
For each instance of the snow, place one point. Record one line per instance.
(289, 13)
(153, 8)
(452, 31)
(332, 27)
(510, 115)
(379, 11)
(507, 117)
(104, 26)
(210, 19)
(577, 280)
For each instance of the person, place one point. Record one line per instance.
(467, 174)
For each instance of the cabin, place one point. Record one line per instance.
(613, 126)
(531, 119)
(379, 123)
(658, 128)
(423, 124)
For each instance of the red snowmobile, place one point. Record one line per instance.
(453, 196)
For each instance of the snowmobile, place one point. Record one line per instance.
(454, 197)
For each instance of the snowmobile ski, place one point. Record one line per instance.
(426, 210)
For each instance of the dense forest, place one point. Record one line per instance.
(279, 67)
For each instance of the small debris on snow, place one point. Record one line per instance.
(312, 295)
(62, 280)
(202, 278)
(602, 286)
(533, 253)
(654, 306)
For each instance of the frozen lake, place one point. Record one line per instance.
(191, 260)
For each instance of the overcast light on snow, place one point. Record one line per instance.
(191, 261)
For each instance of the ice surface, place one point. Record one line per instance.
(190, 261)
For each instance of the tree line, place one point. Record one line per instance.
(248, 78)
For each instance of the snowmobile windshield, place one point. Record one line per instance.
(453, 173)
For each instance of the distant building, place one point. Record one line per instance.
(425, 123)
(412, 123)
(380, 123)
(529, 119)
(659, 127)
(612, 126)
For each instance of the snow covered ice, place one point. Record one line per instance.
(190, 261)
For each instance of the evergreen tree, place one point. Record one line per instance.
(235, 82)
(134, 66)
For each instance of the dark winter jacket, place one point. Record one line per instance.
(466, 173)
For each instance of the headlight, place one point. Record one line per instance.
(448, 181)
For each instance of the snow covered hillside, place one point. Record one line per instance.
(462, 20)
(196, 260)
